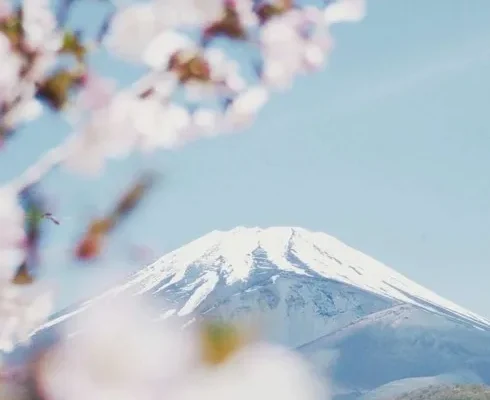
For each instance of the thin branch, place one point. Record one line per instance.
(40, 168)
(58, 154)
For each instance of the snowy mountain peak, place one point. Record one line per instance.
(237, 255)
(341, 309)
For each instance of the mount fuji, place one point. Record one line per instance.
(371, 331)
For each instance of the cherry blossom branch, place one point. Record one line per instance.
(43, 166)
(150, 114)
(53, 157)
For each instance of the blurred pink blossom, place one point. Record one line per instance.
(5, 9)
(117, 350)
(12, 235)
(97, 91)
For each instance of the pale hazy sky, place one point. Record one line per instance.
(388, 149)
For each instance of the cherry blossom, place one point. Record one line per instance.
(12, 235)
(243, 109)
(345, 11)
(294, 42)
(5, 9)
(97, 92)
(194, 88)
(84, 156)
(40, 26)
(163, 46)
(161, 126)
(282, 48)
(256, 371)
(10, 66)
(108, 133)
(165, 85)
(128, 123)
(207, 121)
(245, 12)
(25, 111)
(145, 361)
(175, 13)
(224, 77)
(150, 360)
(131, 30)
(21, 312)
(288, 51)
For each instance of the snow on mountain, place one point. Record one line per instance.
(361, 323)
(238, 255)
(306, 271)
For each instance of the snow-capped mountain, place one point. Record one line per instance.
(345, 311)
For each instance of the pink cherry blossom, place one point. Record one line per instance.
(152, 360)
(188, 13)
(39, 24)
(145, 361)
(282, 48)
(242, 111)
(5, 9)
(345, 11)
(12, 235)
(164, 110)
(97, 91)
(131, 30)
(162, 126)
(21, 312)
(160, 48)
(207, 121)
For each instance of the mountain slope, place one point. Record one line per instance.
(444, 392)
(402, 342)
(402, 387)
(220, 264)
(361, 323)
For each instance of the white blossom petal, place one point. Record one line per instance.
(131, 30)
(207, 121)
(314, 56)
(12, 235)
(245, 106)
(26, 111)
(21, 312)
(345, 11)
(176, 13)
(158, 51)
(146, 359)
(40, 26)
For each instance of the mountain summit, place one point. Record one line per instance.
(343, 310)
(220, 264)
(243, 254)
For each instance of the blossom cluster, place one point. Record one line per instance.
(159, 360)
(194, 88)
(197, 85)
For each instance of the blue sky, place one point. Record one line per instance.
(387, 149)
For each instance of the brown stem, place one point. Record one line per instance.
(22, 276)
